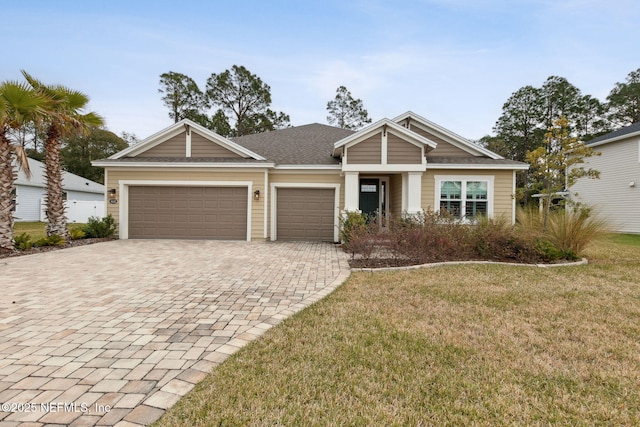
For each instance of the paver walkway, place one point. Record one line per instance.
(115, 333)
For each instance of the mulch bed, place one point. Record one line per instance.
(69, 244)
(382, 260)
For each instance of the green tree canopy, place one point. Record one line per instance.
(555, 164)
(519, 127)
(347, 112)
(624, 101)
(79, 150)
(243, 99)
(183, 97)
(530, 111)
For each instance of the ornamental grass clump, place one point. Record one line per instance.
(571, 231)
(567, 234)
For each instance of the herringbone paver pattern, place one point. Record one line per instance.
(115, 333)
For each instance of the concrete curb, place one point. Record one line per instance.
(583, 261)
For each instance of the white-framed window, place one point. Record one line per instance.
(464, 197)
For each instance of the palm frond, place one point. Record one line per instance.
(21, 159)
(19, 104)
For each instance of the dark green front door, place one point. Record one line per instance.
(369, 196)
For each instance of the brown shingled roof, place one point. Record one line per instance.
(301, 145)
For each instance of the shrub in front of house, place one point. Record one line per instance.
(428, 237)
(53, 240)
(359, 234)
(23, 242)
(432, 237)
(100, 227)
(77, 233)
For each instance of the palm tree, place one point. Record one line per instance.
(65, 118)
(18, 106)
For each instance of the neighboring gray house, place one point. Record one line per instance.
(616, 195)
(30, 193)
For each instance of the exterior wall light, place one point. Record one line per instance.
(112, 196)
(256, 195)
(632, 184)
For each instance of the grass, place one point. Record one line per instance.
(456, 345)
(37, 230)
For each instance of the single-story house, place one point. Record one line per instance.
(293, 184)
(31, 192)
(616, 195)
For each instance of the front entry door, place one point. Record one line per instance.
(370, 196)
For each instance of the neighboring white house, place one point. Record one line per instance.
(616, 195)
(84, 198)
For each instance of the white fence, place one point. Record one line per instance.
(77, 210)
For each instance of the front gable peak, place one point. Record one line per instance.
(382, 126)
(186, 139)
(384, 145)
(452, 144)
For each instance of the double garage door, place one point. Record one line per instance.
(177, 212)
(166, 212)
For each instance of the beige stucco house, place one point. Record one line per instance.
(293, 184)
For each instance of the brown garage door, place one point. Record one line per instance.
(188, 213)
(305, 214)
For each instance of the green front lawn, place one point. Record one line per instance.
(37, 230)
(455, 345)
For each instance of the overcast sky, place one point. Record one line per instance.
(455, 62)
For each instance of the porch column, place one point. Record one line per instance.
(351, 191)
(413, 192)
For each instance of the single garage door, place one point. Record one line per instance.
(305, 214)
(187, 212)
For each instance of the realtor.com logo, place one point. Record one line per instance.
(50, 407)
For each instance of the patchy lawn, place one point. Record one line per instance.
(37, 230)
(456, 345)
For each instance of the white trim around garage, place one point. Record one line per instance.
(124, 197)
(274, 202)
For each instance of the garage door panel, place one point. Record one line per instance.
(188, 212)
(305, 214)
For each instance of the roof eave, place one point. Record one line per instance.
(180, 164)
(308, 167)
(614, 139)
(475, 166)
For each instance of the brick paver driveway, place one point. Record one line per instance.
(115, 333)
